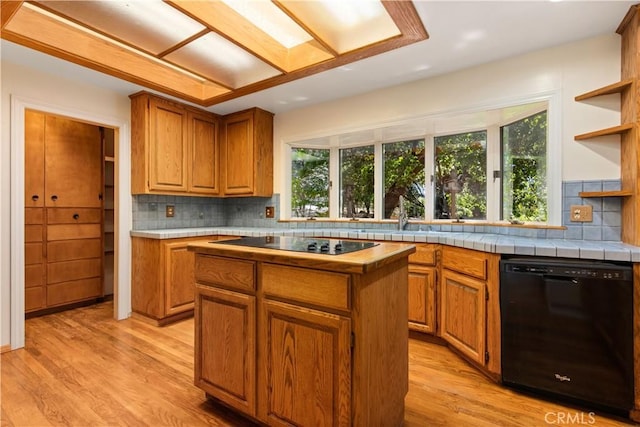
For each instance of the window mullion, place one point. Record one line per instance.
(429, 169)
(378, 182)
(494, 163)
(334, 179)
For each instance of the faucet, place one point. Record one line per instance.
(402, 215)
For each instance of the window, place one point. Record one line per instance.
(309, 183)
(478, 166)
(524, 169)
(356, 182)
(404, 174)
(461, 176)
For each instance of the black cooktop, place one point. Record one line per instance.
(301, 244)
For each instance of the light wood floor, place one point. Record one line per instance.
(82, 368)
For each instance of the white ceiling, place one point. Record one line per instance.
(461, 34)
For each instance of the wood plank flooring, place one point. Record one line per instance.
(82, 368)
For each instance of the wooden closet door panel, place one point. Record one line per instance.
(73, 270)
(67, 250)
(77, 290)
(34, 158)
(74, 216)
(73, 163)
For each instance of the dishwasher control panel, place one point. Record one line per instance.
(607, 272)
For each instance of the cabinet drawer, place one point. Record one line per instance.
(68, 216)
(33, 215)
(34, 298)
(77, 290)
(32, 253)
(74, 270)
(67, 250)
(465, 261)
(73, 231)
(321, 288)
(33, 275)
(32, 233)
(424, 254)
(226, 272)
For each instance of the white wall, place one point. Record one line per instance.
(46, 89)
(571, 69)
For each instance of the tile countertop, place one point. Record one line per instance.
(494, 243)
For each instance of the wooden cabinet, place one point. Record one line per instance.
(298, 345)
(162, 277)
(174, 148)
(225, 336)
(63, 211)
(422, 288)
(306, 366)
(470, 305)
(247, 153)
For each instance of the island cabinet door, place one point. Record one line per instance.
(225, 346)
(305, 366)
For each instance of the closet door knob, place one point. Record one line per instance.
(54, 197)
(76, 216)
(34, 197)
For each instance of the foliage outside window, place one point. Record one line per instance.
(524, 169)
(461, 176)
(309, 182)
(357, 182)
(404, 175)
(445, 177)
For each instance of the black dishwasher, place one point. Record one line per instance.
(567, 330)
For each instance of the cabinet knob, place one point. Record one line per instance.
(34, 197)
(76, 216)
(54, 197)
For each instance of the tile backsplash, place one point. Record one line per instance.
(149, 213)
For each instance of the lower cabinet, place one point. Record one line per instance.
(162, 277)
(226, 319)
(469, 316)
(422, 288)
(306, 366)
(299, 346)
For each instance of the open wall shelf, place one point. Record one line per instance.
(617, 87)
(616, 130)
(617, 193)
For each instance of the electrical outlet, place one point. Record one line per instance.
(170, 211)
(269, 211)
(581, 213)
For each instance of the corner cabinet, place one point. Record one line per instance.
(162, 277)
(174, 148)
(470, 305)
(247, 153)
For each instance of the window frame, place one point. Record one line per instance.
(552, 103)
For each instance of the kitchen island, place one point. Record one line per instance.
(305, 338)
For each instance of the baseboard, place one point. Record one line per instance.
(5, 348)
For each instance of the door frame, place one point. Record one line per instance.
(122, 200)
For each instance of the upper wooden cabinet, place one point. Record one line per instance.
(247, 153)
(174, 148)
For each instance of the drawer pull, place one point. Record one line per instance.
(34, 197)
(54, 197)
(76, 216)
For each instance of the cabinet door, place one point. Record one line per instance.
(305, 363)
(422, 297)
(462, 314)
(34, 159)
(239, 154)
(73, 163)
(179, 276)
(203, 136)
(168, 147)
(225, 346)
